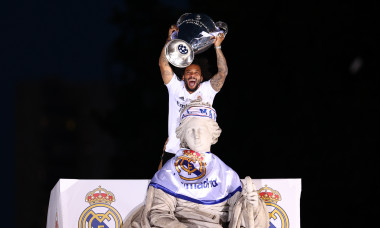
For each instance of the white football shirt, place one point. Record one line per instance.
(178, 98)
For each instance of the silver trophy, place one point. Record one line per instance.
(195, 35)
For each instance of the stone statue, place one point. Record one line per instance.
(196, 188)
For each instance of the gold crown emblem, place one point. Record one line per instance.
(269, 195)
(100, 195)
(194, 155)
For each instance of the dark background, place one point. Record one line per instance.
(83, 98)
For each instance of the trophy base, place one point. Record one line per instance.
(179, 53)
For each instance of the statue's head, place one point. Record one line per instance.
(198, 129)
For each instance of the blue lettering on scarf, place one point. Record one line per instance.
(205, 184)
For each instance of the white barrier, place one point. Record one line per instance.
(107, 203)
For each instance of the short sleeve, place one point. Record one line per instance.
(173, 84)
(209, 88)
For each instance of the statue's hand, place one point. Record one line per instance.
(250, 193)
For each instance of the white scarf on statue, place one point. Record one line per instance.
(197, 177)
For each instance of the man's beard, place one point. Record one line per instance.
(192, 90)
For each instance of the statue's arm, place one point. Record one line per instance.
(163, 63)
(162, 211)
(218, 79)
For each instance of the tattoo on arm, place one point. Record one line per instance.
(218, 79)
(165, 68)
(163, 61)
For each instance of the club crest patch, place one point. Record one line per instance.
(190, 165)
(277, 215)
(100, 213)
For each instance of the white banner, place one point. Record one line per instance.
(282, 197)
(107, 203)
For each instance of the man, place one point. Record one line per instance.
(191, 87)
(196, 188)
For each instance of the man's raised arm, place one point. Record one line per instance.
(218, 79)
(165, 68)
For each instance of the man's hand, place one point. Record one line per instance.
(219, 39)
(172, 29)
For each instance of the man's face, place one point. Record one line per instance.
(197, 135)
(192, 77)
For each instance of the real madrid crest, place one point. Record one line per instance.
(277, 216)
(190, 166)
(100, 213)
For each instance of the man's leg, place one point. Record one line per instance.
(162, 156)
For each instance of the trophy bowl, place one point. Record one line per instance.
(196, 33)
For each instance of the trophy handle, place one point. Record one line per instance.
(222, 26)
(174, 35)
(180, 19)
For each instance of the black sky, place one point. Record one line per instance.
(302, 90)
